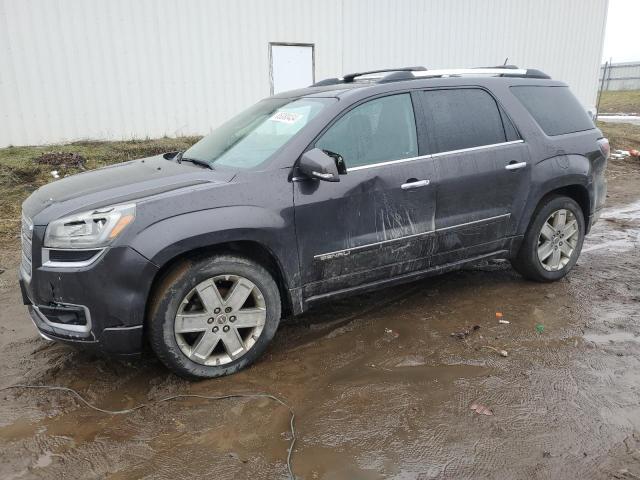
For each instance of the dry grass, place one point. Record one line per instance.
(22, 169)
(627, 101)
(622, 136)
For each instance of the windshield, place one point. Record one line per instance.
(250, 138)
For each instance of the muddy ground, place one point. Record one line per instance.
(379, 386)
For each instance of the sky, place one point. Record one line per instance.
(622, 36)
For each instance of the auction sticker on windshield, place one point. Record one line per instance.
(286, 117)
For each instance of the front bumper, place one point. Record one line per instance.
(101, 306)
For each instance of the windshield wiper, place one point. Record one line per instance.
(181, 158)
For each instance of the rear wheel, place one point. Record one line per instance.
(214, 317)
(553, 241)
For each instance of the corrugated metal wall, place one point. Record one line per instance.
(621, 76)
(79, 69)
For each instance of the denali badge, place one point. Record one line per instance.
(330, 256)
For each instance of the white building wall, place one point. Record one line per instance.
(113, 69)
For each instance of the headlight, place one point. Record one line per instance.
(93, 229)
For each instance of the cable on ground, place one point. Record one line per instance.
(73, 392)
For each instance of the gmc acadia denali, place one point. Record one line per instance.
(352, 184)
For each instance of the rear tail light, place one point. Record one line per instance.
(603, 143)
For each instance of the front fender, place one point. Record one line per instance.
(551, 174)
(174, 236)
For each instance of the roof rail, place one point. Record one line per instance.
(456, 72)
(350, 77)
(501, 71)
(509, 67)
(410, 73)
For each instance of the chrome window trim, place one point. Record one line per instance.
(472, 149)
(390, 162)
(347, 251)
(58, 264)
(434, 155)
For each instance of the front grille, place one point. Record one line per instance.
(27, 249)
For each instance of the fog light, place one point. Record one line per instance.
(65, 315)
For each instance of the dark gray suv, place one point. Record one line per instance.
(352, 184)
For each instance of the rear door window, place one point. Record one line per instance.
(555, 109)
(464, 118)
(377, 131)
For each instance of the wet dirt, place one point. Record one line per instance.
(379, 386)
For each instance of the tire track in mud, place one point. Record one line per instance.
(550, 390)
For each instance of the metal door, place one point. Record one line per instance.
(291, 66)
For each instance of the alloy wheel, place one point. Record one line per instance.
(558, 239)
(220, 320)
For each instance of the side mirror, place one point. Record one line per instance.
(317, 164)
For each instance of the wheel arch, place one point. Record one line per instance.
(250, 249)
(574, 188)
(525, 257)
(577, 192)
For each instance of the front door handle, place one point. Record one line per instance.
(515, 165)
(414, 184)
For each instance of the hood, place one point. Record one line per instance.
(116, 184)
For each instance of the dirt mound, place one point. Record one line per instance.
(61, 159)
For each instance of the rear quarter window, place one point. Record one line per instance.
(555, 109)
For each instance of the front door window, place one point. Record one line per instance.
(377, 131)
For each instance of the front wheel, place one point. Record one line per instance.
(213, 317)
(553, 241)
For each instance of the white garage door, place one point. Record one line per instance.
(291, 67)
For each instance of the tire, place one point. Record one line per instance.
(198, 306)
(528, 259)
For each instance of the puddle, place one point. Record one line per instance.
(625, 212)
(613, 337)
(617, 231)
(44, 460)
(21, 428)
(612, 241)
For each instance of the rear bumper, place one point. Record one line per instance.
(593, 218)
(99, 307)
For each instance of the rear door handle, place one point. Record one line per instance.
(516, 165)
(414, 184)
